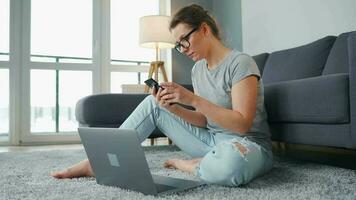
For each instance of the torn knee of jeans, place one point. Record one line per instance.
(239, 147)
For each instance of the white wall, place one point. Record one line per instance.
(228, 16)
(273, 25)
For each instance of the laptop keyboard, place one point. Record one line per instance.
(162, 188)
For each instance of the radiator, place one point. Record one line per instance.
(133, 88)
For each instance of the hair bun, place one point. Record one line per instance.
(194, 15)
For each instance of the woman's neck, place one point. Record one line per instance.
(216, 54)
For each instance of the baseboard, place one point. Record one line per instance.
(340, 157)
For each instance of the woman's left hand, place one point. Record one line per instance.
(175, 93)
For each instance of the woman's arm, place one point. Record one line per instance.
(191, 116)
(243, 97)
(239, 119)
(244, 103)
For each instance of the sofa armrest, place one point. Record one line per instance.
(106, 109)
(352, 71)
(321, 99)
(109, 110)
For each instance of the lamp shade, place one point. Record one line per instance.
(154, 32)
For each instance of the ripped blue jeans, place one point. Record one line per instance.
(227, 159)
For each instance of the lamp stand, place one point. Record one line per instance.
(155, 66)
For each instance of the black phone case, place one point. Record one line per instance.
(152, 83)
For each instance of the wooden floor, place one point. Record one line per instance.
(148, 142)
(38, 148)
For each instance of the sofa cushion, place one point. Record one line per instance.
(322, 99)
(338, 60)
(296, 63)
(260, 60)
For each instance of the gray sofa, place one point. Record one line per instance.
(310, 95)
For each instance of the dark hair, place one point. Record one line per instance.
(194, 15)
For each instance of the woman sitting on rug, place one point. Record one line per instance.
(227, 134)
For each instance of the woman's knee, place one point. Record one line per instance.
(150, 99)
(230, 163)
(149, 102)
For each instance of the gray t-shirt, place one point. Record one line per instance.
(215, 86)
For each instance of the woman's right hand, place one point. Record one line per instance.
(161, 102)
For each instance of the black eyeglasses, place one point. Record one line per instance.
(184, 42)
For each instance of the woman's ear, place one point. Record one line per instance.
(205, 28)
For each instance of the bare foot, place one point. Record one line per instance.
(184, 165)
(80, 169)
(171, 163)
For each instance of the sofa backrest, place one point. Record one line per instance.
(260, 60)
(188, 86)
(338, 60)
(299, 62)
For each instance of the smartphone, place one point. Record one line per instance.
(152, 83)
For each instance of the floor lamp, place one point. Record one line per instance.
(154, 33)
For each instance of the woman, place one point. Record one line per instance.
(227, 135)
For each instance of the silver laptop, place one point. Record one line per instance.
(117, 159)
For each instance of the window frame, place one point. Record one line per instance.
(26, 137)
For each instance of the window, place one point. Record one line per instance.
(43, 101)
(62, 51)
(61, 31)
(61, 38)
(53, 98)
(4, 29)
(123, 23)
(4, 69)
(4, 104)
(73, 85)
(126, 53)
